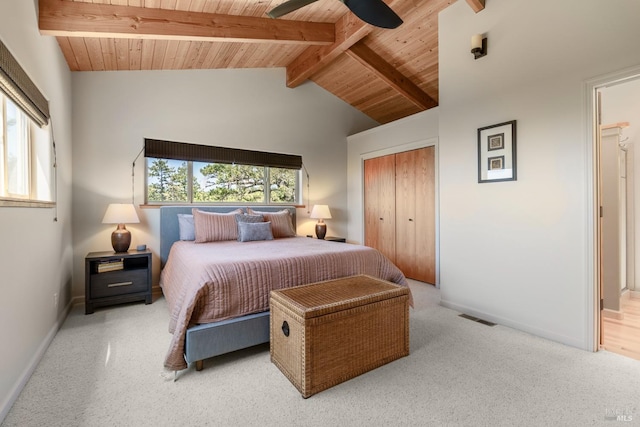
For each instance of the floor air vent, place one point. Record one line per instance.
(475, 319)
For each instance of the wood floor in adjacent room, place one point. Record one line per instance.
(623, 336)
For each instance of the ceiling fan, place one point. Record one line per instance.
(374, 12)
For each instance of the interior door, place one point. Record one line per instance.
(380, 205)
(416, 214)
(426, 215)
(406, 233)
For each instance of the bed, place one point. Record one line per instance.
(218, 291)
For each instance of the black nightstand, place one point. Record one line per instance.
(115, 278)
(336, 239)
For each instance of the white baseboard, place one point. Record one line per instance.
(5, 407)
(543, 333)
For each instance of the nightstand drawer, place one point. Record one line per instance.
(118, 283)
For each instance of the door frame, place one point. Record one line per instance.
(592, 312)
(423, 143)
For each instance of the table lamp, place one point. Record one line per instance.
(120, 213)
(320, 212)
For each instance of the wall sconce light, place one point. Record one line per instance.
(478, 46)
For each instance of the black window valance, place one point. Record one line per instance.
(17, 85)
(207, 153)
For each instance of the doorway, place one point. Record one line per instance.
(617, 132)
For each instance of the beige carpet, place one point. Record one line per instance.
(106, 369)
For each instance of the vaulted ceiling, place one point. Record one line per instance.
(385, 73)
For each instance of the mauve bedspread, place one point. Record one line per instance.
(208, 282)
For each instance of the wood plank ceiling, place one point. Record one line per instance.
(386, 74)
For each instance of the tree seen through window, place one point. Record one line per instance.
(219, 182)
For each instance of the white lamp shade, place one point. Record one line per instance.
(320, 212)
(120, 213)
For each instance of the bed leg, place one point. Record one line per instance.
(199, 365)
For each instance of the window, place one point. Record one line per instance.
(177, 172)
(179, 181)
(283, 185)
(166, 181)
(219, 182)
(25, 156)
(26, 152)
(15, 140)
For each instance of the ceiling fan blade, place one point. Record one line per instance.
(374, 12)
(288, 7)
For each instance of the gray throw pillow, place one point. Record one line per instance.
(252, 231)
(186, 226)
(249, 218)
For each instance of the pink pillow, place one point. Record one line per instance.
(281, 222)
(214, 226)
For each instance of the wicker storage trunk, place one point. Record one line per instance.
(328, 332)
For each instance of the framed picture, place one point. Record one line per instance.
(497, 152)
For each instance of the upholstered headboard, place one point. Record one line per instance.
(170, 232)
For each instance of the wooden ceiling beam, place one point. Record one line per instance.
(476, 5)
(349, 30)
(80, 19)
(381, 68)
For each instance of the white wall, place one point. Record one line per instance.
(518, 252)
(416, 131)
(252, 109)
(35, 254)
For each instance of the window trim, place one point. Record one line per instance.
(25, 203)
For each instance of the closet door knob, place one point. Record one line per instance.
(410, 219)
(381, 219)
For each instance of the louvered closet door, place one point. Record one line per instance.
(415, 214)
(379, 205)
